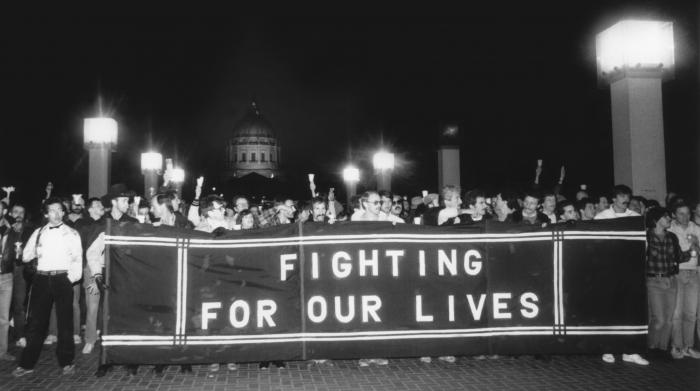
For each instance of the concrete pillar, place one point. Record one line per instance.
(150, 179)
(384, 179)
(638, 135)
(448, 166)
(100, 156)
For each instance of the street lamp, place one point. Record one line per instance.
(351, 175)
(383, 165)
(100, 139)
(151, 166)
(634, 57)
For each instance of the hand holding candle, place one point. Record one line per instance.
(312, 185)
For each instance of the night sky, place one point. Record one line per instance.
(521, 83)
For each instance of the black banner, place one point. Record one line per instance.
(353, 290)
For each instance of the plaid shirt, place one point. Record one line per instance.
(664, 254)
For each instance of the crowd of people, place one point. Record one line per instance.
(51, 270)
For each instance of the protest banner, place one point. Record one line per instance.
(351, 290)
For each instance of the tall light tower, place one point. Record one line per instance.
(634, 57)
(100, 139)
(151, 167)
(448, 157)
(383, 165)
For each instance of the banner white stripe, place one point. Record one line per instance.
(178, 310)
(640, 327)
(297, 242)
(141, 238)
(611, 332)
(126, 243)
(560, 282)
(191, 341)
(555, 269)
(183, 306)
(607, 237)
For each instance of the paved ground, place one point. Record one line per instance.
(524, 373)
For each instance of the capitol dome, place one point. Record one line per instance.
(253, 148)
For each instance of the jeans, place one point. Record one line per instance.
(92, 304)
(5, 301)
(685, 315)
(47, 290)
(661, 292)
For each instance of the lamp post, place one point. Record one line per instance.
(634, 57)
(151, 166)
(351, 175)
(100, 139)
(383, 165)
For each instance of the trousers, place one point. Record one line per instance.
(45, 292)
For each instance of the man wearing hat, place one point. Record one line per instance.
(118, 198)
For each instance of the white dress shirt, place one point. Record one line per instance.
(682, 234)
(59, 248)
(611, 214)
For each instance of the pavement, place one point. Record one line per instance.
(468, 373)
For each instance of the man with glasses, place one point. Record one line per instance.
(371, 203)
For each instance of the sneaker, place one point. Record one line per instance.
(609, 358)
(231, 366)
(69, 369)
(7, 357)
(50, 339)
(87, 349)
(214, 367)
(676, 353)
(634, 358)
(19, 372)
(264, 365)
(380, 361)
(449, 359)
(364, 362)
(426, 359)
(690, 352)
(77, 340)
(21, 343)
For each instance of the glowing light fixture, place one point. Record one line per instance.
(351, 174)
(635, 45)
(151, 161)
(99, 131)
(383, 160)
(177, 175)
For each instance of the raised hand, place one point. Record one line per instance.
(49, 189)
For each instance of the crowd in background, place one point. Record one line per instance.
(51, 271)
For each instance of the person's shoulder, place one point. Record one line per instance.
(604, 214)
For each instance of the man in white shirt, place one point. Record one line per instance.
(621, 198)
(60, 264)
(619, 207)
(685, 313)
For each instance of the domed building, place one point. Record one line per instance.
(253, 147)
